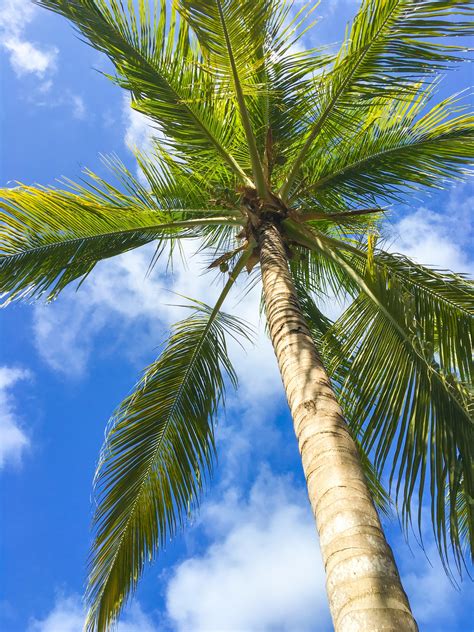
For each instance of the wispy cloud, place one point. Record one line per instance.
(13, 439)
(67, 615)
(138, 128)
(26, 57)
(45, 96)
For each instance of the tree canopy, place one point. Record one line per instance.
(249, 123)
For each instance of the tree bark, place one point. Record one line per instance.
(362, 581)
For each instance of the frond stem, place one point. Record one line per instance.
(308, 217)
(244, 115)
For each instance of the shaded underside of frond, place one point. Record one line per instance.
(401, 360)
(400, 354)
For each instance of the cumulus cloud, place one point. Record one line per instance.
(68, 616)
(13, 439)
(441, 239)
(262, 570)
(25, 56)
(135, 312)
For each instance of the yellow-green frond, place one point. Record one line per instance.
(50, 237)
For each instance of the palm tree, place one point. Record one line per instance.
(279, 160)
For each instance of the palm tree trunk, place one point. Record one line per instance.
(362, 581)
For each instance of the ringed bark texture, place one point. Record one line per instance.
(362, 581)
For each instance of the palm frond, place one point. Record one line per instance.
(162, 67)
(232, 32)
(50, 237)
(158, 455)
(408, 411)
(398, 356)
(390, 45)
(441, 302)
(399, 148)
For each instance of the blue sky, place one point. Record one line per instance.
(249, 561)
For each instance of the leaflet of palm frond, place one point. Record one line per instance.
(321, 275)
(462, 527)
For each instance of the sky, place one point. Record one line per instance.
(249, 560)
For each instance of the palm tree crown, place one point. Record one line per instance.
(252, 128)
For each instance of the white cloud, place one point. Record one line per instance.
(78, 106)
(25, 56)
(440, 239)
(139, 129)
(262, 571)
(68, 616)
(44, 96)
(138, 311)
(437, 605)
(13, 440)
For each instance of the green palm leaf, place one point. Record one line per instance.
(390, 45)
(442, 304)
(158, 63)
(157, 455)
(50, 237)
(411, 413)
(398, 148)
(397, 356)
